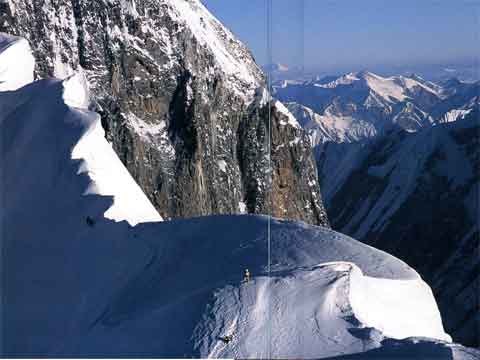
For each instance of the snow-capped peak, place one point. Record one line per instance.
(392, 89)
(388, 88)
(230, 55)
(346, 79)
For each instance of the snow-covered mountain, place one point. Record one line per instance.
(416, 191)
(79, 280)
(329, 127)
(360, 105)
(177, 94)
(397, 161)
(357, 106)
(460, 100)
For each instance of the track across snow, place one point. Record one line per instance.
(81, 283)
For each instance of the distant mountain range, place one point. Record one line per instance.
(360, 105)
(398, 166)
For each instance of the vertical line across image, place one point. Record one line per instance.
(270, 170)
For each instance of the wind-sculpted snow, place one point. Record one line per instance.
(417, 191)
(164, 289)
(78, 281)
(16, 62)
(376, 303)
(397, 161)
(36, 117)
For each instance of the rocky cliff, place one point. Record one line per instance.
(181, 102)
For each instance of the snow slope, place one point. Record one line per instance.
(172, 289)
(331, 127)
(419, 191)
(16, 63)
(84, 142)
(404, 161)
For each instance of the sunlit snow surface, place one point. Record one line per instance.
(16, 63)
(75, 287)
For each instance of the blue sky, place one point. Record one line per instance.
(357, 33)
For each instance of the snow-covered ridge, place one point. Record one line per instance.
(346, 79)
(16, 62)
(330, 127)
(76, 92)
(290, 118)
(107, 174)
(454, 115)
(398, 308)
(68, 100)
(392, 89)
(135, 282)
(109, 177)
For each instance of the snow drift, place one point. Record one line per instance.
(16, 63)
(80, 281)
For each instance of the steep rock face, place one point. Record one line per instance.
(293, 193)
(174, 89)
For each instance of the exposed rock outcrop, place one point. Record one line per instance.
(175, 91)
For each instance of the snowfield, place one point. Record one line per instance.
(80, 280)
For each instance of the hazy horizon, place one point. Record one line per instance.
(327, 36)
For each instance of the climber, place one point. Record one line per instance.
(246, 278)
(90, 221)
(227, 339)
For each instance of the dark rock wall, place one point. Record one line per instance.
(182, 125)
